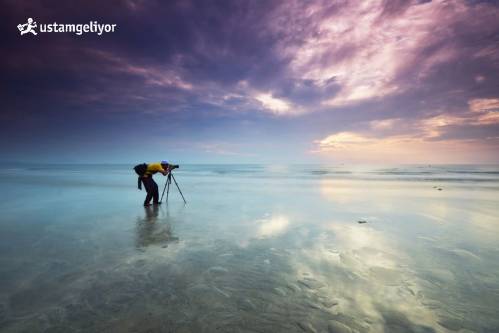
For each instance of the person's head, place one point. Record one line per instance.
(30, 20)
(164, 164)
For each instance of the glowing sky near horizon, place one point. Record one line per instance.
(254, 81)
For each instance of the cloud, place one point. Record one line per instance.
(297, 57)
(343, 140)
(479, 78)
(357, 148)
(488, 52)
(484, 104)
(396, 133)
(383, 124)
(273, 104)
(443, 137)
(162, 76)
(486, 109)
(373, 50)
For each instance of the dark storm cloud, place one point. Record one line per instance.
(157, 48)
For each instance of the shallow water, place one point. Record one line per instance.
(256, 249)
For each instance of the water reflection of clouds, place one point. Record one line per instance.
(151, 229)
(399, 280)
(355, 248)
(369, 276)
(272, 226)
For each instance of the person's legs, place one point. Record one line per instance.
(149, 185)
(155, 193)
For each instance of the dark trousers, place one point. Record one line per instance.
(152, 190)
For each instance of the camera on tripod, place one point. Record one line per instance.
(169, 179)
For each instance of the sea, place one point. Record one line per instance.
(255, 248)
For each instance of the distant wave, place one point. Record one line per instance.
(401, 173)
(327, 172)
(476, 172)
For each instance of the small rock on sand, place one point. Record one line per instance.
(329, 303)
(361, 221)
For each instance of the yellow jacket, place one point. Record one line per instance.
(153, 168)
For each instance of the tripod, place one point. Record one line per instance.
(167, 187)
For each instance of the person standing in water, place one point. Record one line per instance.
(151, 187)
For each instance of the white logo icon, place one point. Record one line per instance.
(27, 27)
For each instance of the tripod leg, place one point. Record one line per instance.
(179, 189)
(164, 188)
(169, 181)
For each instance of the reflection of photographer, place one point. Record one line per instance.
(145, 172)
(154, 230)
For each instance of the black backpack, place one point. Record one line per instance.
(140, 169)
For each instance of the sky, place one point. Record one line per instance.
(252, 82)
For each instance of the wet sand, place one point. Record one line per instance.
(256, 249)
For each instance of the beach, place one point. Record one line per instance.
(257, 248)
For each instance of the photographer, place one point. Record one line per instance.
(151, 187)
